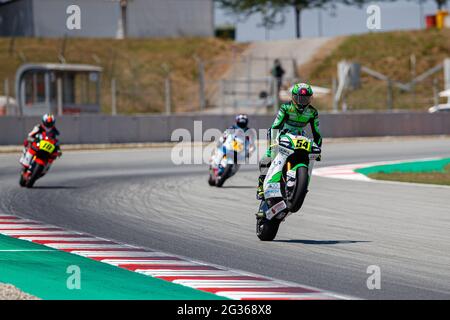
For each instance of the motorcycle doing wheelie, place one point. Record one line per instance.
(226, 159)
(286, 183)
(43, 151)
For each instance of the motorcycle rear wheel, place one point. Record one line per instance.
(36, 174)
(22, 180)
(224, 176)
(267, 230)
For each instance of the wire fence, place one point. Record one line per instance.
(360, 87)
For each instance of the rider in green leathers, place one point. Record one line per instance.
(293, 117)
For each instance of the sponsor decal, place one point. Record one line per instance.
(285, 151)
(272, 190)
(291, 174)
(273, 211)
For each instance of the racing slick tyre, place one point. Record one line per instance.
(22, 180)
(36, 174)
(225, 175)
(211, 179)
(266, 230)
(295, 197)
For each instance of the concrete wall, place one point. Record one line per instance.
(158, 128)
(16, 19)
(170, 18)
(99, 18)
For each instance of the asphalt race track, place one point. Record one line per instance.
(140, 197)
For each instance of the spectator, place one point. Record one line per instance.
(278, 73)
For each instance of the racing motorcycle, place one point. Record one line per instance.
(44, 152)
(226, 160)
(286, 183)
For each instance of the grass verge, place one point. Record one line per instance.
(441, 178)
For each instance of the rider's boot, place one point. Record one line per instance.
(260, 189)
(261, 211)
(264, 165)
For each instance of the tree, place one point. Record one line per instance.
(441, 3)
(274, 11)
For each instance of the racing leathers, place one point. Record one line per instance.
(293, 120)
(28, 152)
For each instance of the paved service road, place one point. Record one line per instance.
(139, 197)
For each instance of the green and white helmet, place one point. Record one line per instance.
(301, 94)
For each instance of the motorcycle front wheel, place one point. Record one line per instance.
(211, 178)
(296, 197)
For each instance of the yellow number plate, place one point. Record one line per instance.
(237, 146)
(46, 146)
(302, 144)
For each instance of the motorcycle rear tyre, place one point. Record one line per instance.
(225, 175)
(36, 174)
(266, 230)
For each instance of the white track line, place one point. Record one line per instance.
(187, 273)
(128, 254)
(18, 233)
(59, 239)
(25, 226)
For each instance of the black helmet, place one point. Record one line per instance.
(242, 121)
(48, 120)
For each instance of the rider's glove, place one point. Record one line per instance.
(319, 157)
(59, 154)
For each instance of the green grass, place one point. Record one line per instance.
(137, 64)
(388, 53)
(442, 178)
